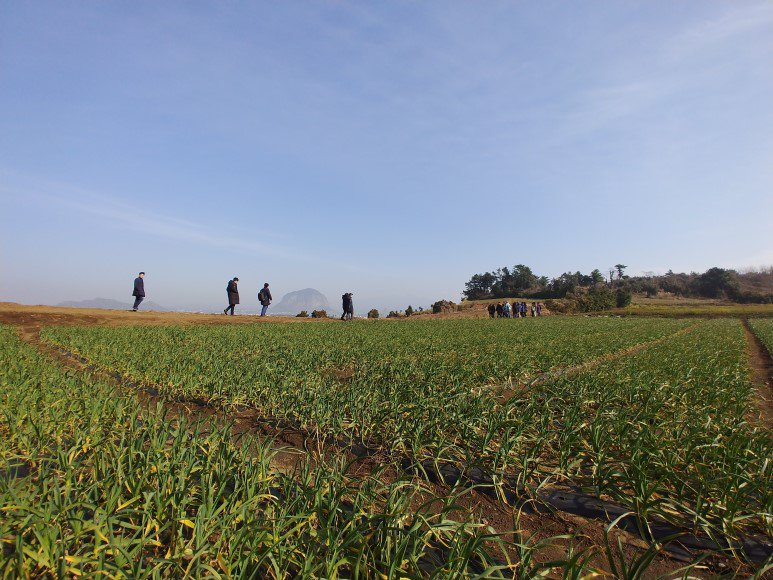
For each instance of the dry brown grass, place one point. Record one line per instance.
(20, 314)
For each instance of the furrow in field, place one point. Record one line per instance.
(759, 336)
(510, 389)
(664, 431)
(284, 459)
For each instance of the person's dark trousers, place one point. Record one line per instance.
(263, 310)
(231, 308)
(137, 301)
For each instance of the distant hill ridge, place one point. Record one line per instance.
(307, 299)
(110, 304)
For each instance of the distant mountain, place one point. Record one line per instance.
(110, 304)
(308, 299)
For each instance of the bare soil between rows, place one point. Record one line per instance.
(761, 367)
(295, 446)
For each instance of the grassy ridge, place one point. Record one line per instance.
(695, 309)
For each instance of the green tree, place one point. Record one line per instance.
(716, 283)
(479, 286)
(623, 297)
(620, 269)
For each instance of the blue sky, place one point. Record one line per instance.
(391, 149)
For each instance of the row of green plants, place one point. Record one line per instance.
(415, 387)
(91, 485)
(763, 328)
(662, 431)
(665, 433)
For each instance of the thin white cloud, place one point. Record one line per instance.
(686, 61)
(739, 19)
(121, 214)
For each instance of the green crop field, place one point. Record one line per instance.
(656, 416)
(90, 485)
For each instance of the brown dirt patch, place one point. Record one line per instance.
(23, 315)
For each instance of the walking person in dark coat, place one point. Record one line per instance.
(233, 295)
(265, 298)
(492, 310)
(344, 304)
(139, 291)
(349, 307)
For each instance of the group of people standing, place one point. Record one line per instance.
(232, 289)
(514, 310)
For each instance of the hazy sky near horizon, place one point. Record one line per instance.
(391, 149)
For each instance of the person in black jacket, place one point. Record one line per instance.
(348, 306)
(139, 291)
(265, 298)
(492, 310)
(233, 295)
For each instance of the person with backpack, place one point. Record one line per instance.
(139, 291)
(233, 295)
(265, 298)
(506, 309)
(492, 310)
(499, 310)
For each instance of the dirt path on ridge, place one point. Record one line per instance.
(761, 368)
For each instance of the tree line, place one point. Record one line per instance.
(751, 286)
